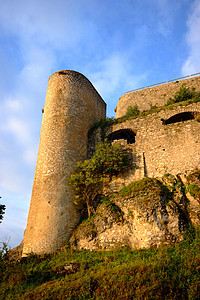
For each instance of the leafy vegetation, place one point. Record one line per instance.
(138, 186)
(152, 106)
(133, 111)
(194, 190)
(168, 272)
(2, 211)
(107, 161)
(3, 251)
(183, 94)
(103, 122)
(193, 176)
(194, 187)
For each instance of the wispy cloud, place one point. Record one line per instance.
(114, 73)
(192, 64)
(116, 44)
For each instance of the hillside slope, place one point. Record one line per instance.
(162, 269)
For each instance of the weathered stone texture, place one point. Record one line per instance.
(157, 95)
(71, 108)
(72, 105)
(159, 148)
(144, 214)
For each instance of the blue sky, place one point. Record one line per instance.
(118, 44)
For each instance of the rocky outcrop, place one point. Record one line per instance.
(146, 213)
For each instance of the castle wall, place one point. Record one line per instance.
(157, 95)
(72, 105)
(159, 148)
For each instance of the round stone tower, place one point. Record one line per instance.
(72, 105)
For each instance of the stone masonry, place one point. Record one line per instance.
(159, 149)
(157, 95)
(72, 105)
(166, 141)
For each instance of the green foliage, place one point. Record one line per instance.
(187, 95)
(183, 94)
(193, 176)
(103, 123)
(194, 190)
(112, 205)
(196, 97)
(3, 250)
(108, 160)
(145, 184)
(2, 211)
(152, 106)
(168, 272)
(133, 111)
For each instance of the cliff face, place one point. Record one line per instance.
(146, 213)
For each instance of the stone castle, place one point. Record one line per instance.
(167, 140)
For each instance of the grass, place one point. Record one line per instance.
(163, 273)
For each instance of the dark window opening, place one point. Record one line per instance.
(125, 134)
(181, 117)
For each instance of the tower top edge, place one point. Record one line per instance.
(76, 77)
(67, 72)
(70, 73)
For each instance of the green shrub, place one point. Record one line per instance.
(185, 93)
(194, 190)
(152, 106)
(103, 123)
(133, 111)
(2, 211)
(3, 250)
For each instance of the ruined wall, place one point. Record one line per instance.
(157, 95)
(158, 149)
(72, 105)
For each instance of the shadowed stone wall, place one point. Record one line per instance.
(72, 105)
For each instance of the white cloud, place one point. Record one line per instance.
(13, 104)
(114, 71)
(192, 64)
(11, 179)
(47, 23)
(114, 76)
(18, 129)
(105, 40)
